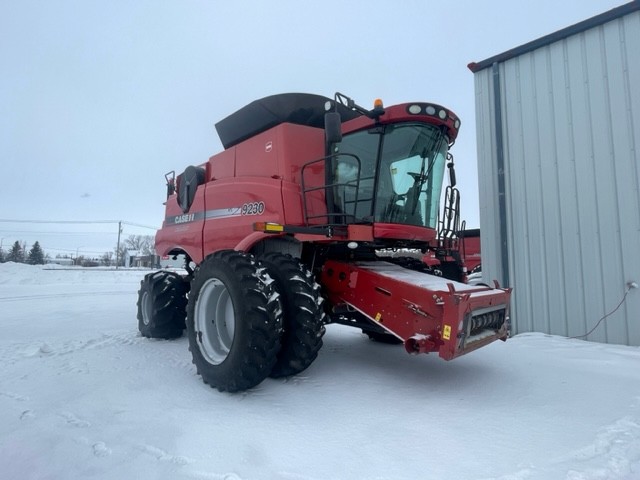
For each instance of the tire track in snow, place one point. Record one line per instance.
(14, 396)
(617, 446)
(27, 414)
(163, 456)
(613, 455)
(171, 357)
(21, 351)
(74, 421)
(155, 351)
(212, 476)
(48, 296)
(98, 448)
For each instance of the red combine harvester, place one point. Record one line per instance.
(299, 223)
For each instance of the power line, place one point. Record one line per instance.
(61, 222)
(68, 235)
(58, 232)
(4, 220)
(139, 225)
(76, 250)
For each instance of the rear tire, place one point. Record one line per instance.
(303, 317)
(162, 305)
(234, 321)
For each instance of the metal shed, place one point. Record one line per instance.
(558, 131)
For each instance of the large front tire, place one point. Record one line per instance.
(234, 321)
(162, 305)
(303, 322)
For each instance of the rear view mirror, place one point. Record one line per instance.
(171, 183)
(332, 127)
(452, 174)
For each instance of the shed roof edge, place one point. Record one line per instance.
(579, 27)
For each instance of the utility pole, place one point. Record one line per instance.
(75, 262)
(118, 247)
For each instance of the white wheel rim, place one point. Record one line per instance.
(214, 321)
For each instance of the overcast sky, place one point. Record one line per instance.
(99, 99)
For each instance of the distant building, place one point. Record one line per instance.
(60, 261)
(133, 258)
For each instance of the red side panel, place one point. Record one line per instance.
(297, 146)
(403, 232)
(182, 231)
(292, 199)
(222, 165)
(280, 153)
(234, 204)
(472, 252)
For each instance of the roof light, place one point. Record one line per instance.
(415, 109)
(456, 124)
(442, 114)
(431, 110)
(377, 104)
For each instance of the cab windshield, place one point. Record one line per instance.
(390, 174)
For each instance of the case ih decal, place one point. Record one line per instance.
(254, 208)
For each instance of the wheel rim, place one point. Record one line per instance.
(214, 321)
(147, 308)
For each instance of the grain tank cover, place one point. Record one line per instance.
(260, 115)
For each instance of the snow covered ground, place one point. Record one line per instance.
(83, 396)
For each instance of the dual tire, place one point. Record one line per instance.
(246, 319)
(249, 319)
(162, 301)
(303, 315)
(234, 321)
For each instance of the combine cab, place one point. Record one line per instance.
(301, 222)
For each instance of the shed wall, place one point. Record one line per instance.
(570, 127)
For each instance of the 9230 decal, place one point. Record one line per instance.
(253, 208)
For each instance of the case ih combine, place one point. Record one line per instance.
(298, 223)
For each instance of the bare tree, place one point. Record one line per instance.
(144, 244)
(107, 259)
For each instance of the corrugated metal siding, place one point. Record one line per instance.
(571, 133)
